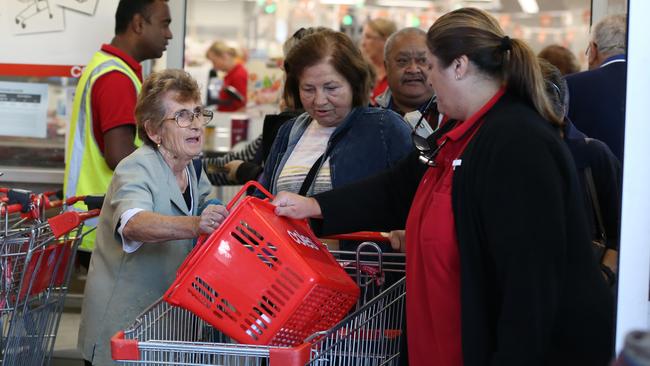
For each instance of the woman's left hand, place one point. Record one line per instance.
(211, 217)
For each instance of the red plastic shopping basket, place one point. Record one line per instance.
(263, 279)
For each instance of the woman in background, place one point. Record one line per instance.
(373, 39)
(232, 96)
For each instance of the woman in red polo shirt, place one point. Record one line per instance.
(232, 96)
(499, 263)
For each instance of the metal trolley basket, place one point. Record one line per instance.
(36, 261)
(371, 335)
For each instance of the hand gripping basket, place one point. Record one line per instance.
(263, 279)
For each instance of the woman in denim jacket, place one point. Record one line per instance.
(338, 138)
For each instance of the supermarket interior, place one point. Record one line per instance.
(251, 69)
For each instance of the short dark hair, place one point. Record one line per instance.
(335, 48)
(126, 9)
(560, 57)
(556, 87)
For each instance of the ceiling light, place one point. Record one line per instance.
(405, 3)
(529, 6)
(341, 2)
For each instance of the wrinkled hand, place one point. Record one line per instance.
(295, 206)
(211, 217)
(398, 240)
(231, 167)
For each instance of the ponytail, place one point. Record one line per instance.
(523, 76)
(476, 34)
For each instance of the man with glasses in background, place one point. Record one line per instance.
(102, 128)
(597, 96)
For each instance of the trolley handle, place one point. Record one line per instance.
(49, 202)
(20, 196)
(379, 237)
(244, 189)
(92, 202)
(66, 222)
(10, 209)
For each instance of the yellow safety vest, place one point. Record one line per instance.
(86, 171)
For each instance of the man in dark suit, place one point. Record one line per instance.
(597, 96)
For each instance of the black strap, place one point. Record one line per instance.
(591, 187)
(333, 141)
(310, 176)
(198, 168)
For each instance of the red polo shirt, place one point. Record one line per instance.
(433, 270)
(379, 88)
(113, 97)
(237, 77)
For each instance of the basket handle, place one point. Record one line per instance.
(244, 189)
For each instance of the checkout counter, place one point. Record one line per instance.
(38, 164)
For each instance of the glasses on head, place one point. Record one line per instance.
(184, 118)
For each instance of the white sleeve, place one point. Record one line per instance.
(129, 246)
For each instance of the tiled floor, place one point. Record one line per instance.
(65, 347)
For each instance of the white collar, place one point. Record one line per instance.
(613, 62)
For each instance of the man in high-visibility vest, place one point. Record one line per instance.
(102, 129)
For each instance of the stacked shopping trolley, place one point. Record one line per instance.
(36, 261)
(267, 283)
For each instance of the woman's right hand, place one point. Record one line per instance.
(211, 217)
(397, 240)
(295, 206)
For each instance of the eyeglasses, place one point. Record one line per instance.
(427, 146)
(185, 117)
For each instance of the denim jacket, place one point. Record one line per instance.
(368, 141)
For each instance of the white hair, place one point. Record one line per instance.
(610, 35)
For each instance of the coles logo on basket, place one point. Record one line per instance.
(302, 240)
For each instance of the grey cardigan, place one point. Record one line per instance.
(121, 285)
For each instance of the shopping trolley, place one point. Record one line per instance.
(371, 335)
(167, 335)
(36, 261)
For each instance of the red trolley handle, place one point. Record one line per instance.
(66, 222)
(244, 189)
(373, 236)
(10, 209)
(47, 202)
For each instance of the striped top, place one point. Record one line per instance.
(310, 147)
